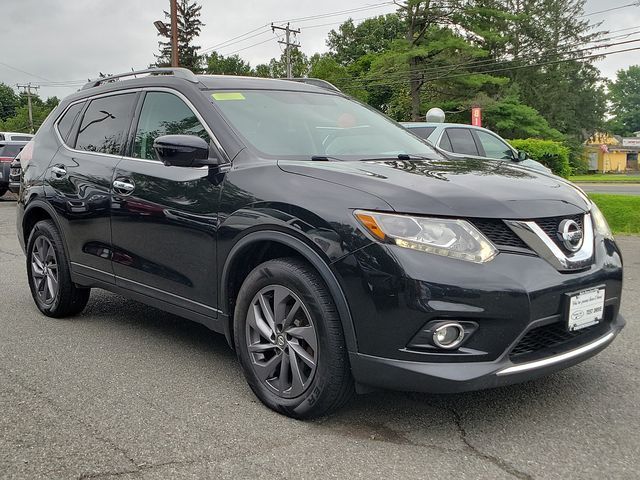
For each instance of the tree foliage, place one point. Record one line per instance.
(189, 28)
(553, 155)
(19, 120)
(9, 102)
(625, 101)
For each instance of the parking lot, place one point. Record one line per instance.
(126, 391)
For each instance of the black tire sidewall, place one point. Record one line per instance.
(279, 273)
(47, 228)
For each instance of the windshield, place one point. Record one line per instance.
(297, 125)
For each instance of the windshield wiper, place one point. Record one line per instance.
(324, 158)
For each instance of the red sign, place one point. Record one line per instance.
(476, 116)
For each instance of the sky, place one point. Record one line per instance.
(57, 44)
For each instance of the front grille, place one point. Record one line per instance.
(498, 232)
(549, 336)
(550, 227)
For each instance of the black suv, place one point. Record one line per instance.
(335, 250)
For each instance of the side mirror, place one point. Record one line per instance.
(183, 151)
(520, 156)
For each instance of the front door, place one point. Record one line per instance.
(164, 218)
(79, 178)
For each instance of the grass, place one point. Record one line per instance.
(606, 178)
(622, 212)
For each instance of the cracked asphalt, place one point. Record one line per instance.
(126, 391)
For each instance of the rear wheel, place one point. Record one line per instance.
(49, 275)
(289, 340)
(3, 190)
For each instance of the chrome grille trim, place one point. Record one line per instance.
(538, 240)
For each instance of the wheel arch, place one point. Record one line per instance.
(36, 211)
(260, 240)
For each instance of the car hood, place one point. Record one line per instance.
(462, 187)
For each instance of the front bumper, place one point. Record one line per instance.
(394, 293)
(460, 377)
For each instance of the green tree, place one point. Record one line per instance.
(19, 122)
(189, 27)
(9, 101)
(624, 94)
(217, 64)
(373, 35)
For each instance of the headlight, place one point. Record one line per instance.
(440, 236)
(600, 223)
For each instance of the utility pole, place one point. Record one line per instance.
(27, 89)
(174, 34)
(287, 43)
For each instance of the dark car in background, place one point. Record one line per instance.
(335, 250)
(8, 151)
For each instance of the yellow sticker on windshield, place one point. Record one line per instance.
(227, 96)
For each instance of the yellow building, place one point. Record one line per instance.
(611, 153)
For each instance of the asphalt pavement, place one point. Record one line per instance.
(612, 188)
(125, 391)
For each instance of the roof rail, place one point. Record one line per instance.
(318, 82)
(175, 71)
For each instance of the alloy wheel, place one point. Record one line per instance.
(282, 341)
(44, 270)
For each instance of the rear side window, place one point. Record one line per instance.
(10, 150)
(164, 114)
(66, 122)
(21, 138)
(105, 124)
(461, 141)
(422, 132)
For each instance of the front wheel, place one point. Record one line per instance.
(289, 340)
(49, 275)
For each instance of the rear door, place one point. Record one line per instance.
(459, 140)
(164, 218)
(79, 177)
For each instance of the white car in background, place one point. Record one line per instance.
(15, 137)
(460, 140)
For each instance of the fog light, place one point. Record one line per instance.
(448, 335)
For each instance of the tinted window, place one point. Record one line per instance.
(422, 132)
(67, 120)
(164, 114)
(493, 146)
(462, 141)
(10, 150)
(105, 124)
(21, 138)
(445, 143)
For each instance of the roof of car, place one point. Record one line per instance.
(226, 82)
(436, 124)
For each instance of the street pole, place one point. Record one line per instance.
(174, 33)
(288, 44)
(27, 89)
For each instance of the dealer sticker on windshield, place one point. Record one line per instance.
(586, 308)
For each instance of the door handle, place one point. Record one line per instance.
(123, 187)
(59, 170)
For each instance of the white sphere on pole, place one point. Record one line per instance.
(435, 115)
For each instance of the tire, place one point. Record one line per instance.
(47, 263)
(3, 190)
(278, 286)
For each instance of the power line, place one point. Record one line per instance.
(633, 4)
(336, 13)
(266, 27)
(506, 69)
(485, 63)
